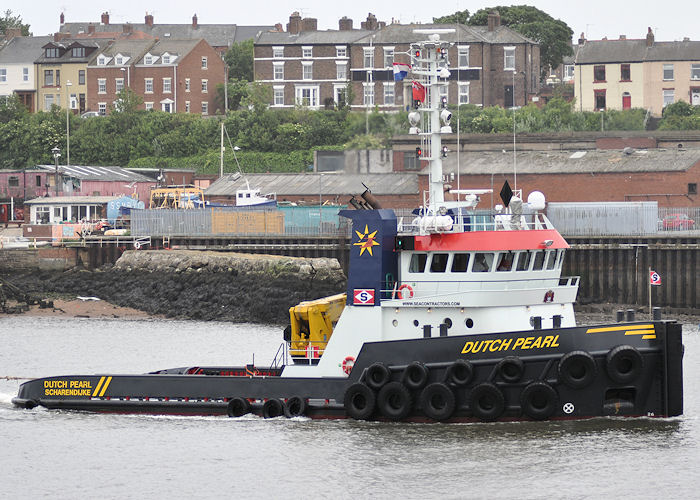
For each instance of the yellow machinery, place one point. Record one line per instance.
(176, 197)
(312, 324)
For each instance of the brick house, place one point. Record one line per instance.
(490, 65)
(169, 75)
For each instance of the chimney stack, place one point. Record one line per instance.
(371, 23)
(91, 28)
(127, 28)
(149, 20)
(105, 18)
(294, 26)
(494, 20)
(582, 38)
(279, 28)
(309, 24)
(11, 33)
(63, 18)
(194, 21)
(623, 37)
(650, 37)
(345, 24)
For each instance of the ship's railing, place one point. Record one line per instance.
(281, 356)
(410, 223)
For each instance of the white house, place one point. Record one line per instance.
(17, 67)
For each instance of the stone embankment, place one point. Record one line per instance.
(188, 284)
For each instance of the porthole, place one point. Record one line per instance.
(395, 323)
(415, 322)
(448, 322)
(469, 323)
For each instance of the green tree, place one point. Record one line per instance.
(239, 59)
(127, 101)
(553, 35)
(460, 17)
(10, 21)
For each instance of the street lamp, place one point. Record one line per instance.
(68, 85)
(56, 154)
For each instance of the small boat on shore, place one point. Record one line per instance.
(452, 316)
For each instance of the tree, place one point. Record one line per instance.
(460, 17)
(239, 59)
(553, 35)
(127, 101)
(10, 21)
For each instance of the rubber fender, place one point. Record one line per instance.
(487, 402)
(415, 376)
(359, 401)
(237, 407)
(296, 407)
(460, 373)
(273, 408)
(539, 400)
(511, 369)
(437, 401)
(577, 369)
(624, 364)
(394, 401)
(377, 375)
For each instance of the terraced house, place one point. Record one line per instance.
(490, 65)
(17, 68)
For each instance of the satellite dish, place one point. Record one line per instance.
(536, 200)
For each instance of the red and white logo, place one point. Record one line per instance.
(654, 278)
(363, 297)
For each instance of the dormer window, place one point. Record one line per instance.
(150, 59)
(52, 52)
(102, 60)
(78, 52)
(166, 58)
(120, 59)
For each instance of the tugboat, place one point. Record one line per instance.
(448, 317)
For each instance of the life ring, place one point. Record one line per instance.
(539, 400)
(437, 401)
(399, 293)
(137, 245)
(394, 401)
(347, 365)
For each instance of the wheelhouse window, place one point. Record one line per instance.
(537, 260)
(417, 264)
(438, 263)
(482, 262)
(551, 259)
(505, 261)
(460, 261)
(523, 263)
(599, 73)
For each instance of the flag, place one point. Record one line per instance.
(418, 92)
(400, 71)
(654, 278)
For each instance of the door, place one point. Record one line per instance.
(626, 100)
(508, 96)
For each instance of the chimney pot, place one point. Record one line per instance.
(623, 37)
(650, 37)
(105, 18)
(63, 18)
(194, 21)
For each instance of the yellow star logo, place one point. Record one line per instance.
(366, 241)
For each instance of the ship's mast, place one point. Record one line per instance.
(429, 66)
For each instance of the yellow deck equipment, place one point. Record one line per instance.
(312, 326)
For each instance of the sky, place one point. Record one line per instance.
(597, 18)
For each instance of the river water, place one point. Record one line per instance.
(65, 454)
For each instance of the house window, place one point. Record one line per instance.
(204, 63)
(368, 57)
(340, 94)
(695, 72)
(568, 72)
(599, 98)
(37, 181)
(279, 71)
(78, 52)
(52, 52)
(692, 188)
(13, 181)
(119, 60)
(625, 75)
(58, 78)
(464, 93)
(668, 97)
(368, 94)
(205, 108)
(48, 78)
(389, 94)
(118, 84)
(167, 85)
(306, 52)
(101, 85)
(166, 58)
(341, 70)
(668, 71)
(81, 77)
(25, 74)
(279, 96)
(149, 105)
(599, 73)
(509, 58)
(101, 61)
(3, 75)
(187, 106)
(307, 96)
(149, 59)
(442, 89)
(149, 85)
(102, 108)
(205, 86)
(341, 51)
(463, 56)
(308, 71)
(277, 52)
(388, 57)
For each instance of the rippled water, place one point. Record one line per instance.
(65, 454)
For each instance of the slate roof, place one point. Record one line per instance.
(572, 162)
(23, 49)
(173, 47)
(216, 35)
(67, 57)
(72, 200)
(311, 37)
(332, 184)
(630, 51)
(88, 173)
(134, 49)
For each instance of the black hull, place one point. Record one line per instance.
(630, 369)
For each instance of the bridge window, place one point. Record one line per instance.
(551, 257)
(417, 264)
(438, 263)
(482, 262)
(560, 258)
(460, 261)
(538, 261)
(523, 261)
(505, 261)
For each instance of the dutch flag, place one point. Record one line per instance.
(400, 71)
